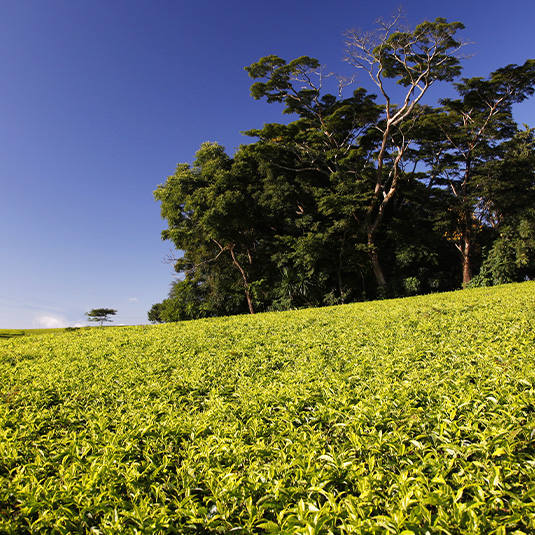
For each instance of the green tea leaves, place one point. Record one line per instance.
(383, 417)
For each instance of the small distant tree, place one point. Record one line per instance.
(100, 314)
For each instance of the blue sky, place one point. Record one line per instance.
(99, 100)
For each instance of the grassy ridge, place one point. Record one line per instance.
(10, 333)
(403, 416)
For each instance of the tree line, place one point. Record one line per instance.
(359, 197)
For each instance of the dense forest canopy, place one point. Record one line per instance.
(361, 196)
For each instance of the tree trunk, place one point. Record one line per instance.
(245, 282)
(377, 270)
(380, 200)
(376, 264)
(249, 300)
(466, 241)
(340, 265)
(466, 261)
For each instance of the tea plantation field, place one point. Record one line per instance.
(402, 416)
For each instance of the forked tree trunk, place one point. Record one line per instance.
(230, 248)
(245, 281)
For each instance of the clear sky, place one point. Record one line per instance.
(100, 99)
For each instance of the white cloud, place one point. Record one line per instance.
(133, 300)
(50, 322)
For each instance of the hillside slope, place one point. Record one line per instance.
(402, 416)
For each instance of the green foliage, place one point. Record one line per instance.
(511, 258)
(280, 76)
(244, 227)
(155, 314)
(426, 53)
(189, 300)
(214, 216)
(100, 314)
(360, 196)
(401, 416)
(8, 333)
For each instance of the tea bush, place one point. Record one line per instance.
(402, 416)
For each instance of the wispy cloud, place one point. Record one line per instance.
(16, 302)
(133, 300)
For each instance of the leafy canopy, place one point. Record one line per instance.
(100, 314)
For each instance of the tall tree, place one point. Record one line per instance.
(320, 153)
(357, 191)
(415, 60)
(509, 193)
(213, 216)
(473, 134)
(334, 135)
